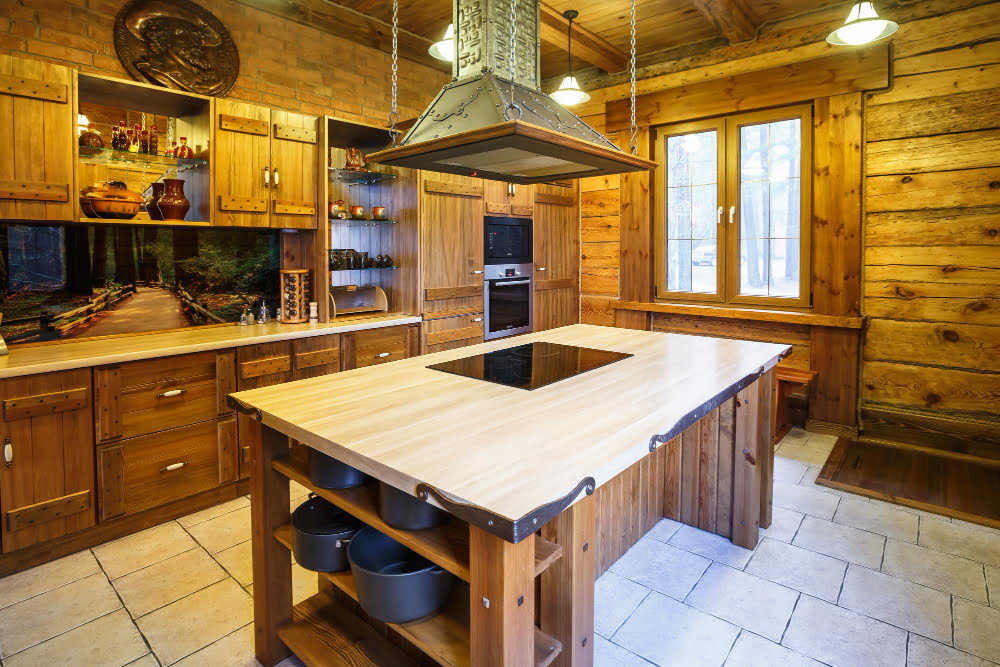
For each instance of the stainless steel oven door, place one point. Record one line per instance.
(508, 307)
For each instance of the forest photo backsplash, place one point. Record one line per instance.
(80, 281)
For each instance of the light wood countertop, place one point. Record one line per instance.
(66, 355)
(505, 449)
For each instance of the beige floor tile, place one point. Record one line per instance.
(802, 453)
(951, 574)
(797, 568)
(194, 622)
(661, 567)
(137, 551)
(664, 529)
(305, 583)
(923, 652)
(877, 519)
(976, 526)
(795, 436)
(233, 650)
(806, 500)
(753, 651)
(909, 510)
(224, 531)
(784, 524)
(839, 541)
(839, 636)
(38, 580)
(787, 470)
(710, 545)
(977, 629)
(167, 581)
(668, 632)
(110, 640)
(238, 561)
(607, 654)
(993, 583)
(214, 511)
(148, 660)
(615, 598)
(980, 545)
(809, 481)
(904, 604)
(296, 490)
(821, 441)
(48, 615)
(755, 604)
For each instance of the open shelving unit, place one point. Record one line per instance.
(444, 637)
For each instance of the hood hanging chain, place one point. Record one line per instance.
(511, 103)
(633, 140)
(393, 114)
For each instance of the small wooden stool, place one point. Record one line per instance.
(789, 380)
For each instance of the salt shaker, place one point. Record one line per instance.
(313, 311)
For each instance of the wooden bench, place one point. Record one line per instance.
(789, 380)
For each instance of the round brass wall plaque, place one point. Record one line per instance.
(176, 44)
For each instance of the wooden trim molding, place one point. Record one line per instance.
(446, 188)
(556, 200)
(437, 293)
(49, 510)
(245, 125)
(249, 204)
(306, 135)
(34, 190)
(559, 283)
(451, 335)
(788, 316)
(287, 207)
(317, 358)
(45, 404)
(33, 88)
(259, 367)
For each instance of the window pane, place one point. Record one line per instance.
(692, 202)
(770, 208)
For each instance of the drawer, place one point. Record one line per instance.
(151, 470)
(143, 397)
(375, 346)
(315, 356)
(448, 333)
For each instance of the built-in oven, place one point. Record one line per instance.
(509, 300)
(508, 241)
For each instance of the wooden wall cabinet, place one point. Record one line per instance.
(47, 467)
(556, 241)
(37, 112)
(508, 199)
(265, 166)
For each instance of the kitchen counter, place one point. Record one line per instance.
(66, 355)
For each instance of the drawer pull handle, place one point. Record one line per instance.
(475, 273)
(173, 466)
(477, 319)
(383, 355)
(171, 393)
(8, 453)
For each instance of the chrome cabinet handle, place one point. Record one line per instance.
(541, 268)
(275, 179)
(8, 453)
(171, 393)
(475, 273)
(383, 355)
(720, 216)
(732, 212)
(267, 178)
(513, 189)
(173, 466)
(477, 319)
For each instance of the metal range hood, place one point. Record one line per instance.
(464, 131)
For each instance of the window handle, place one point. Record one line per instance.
(720, 215)
(732, 212)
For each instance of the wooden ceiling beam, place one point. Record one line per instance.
(734, 18)
(351, 25)
(587, 45)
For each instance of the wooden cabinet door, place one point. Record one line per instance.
(449, 333)
(556, 241)
(294, 161)
(522, 200)
(47, 470)
(496, 198)
(451, 237)
(37, 136)
(315, 356)
(241, 156)
(259, 366)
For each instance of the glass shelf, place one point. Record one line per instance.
(371, 268)
(357, 222)
(350, 178)
(109, 156)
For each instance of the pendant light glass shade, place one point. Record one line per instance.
(569, 93)
(861, 27)
(445, 49)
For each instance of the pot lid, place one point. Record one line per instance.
(319, 516)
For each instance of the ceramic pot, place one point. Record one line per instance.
(358, 212)
(173, 205)
(112, 200)
(151, 203)
(378, 212)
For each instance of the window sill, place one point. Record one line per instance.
(788, 316)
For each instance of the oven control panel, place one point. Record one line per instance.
(508, 271)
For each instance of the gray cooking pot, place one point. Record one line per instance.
(320, 534)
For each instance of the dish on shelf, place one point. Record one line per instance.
(110, 200)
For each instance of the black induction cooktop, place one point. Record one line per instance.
(531, 365)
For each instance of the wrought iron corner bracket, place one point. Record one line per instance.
(243, 408)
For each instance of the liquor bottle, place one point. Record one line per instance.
(91, 138)
(134, 146)
(129, 142)
(154, 141)
(183, 150)
(114, 137)
(122, 136)
(144, 141)
(172, 150)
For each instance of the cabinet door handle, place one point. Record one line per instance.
(732, 212)
(720, 215)
(267, 178)
(477, 319)
(541, 268)
(173, 466)
(475, 273)
(513, 189)
(171, 393)
(8, 453)
(383, 355)
(275, 179)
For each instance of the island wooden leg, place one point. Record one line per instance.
(502, 600)
(568, 584)
(272, 563)
(765, 396)
(746, 473)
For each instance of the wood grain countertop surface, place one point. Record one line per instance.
(505, 449)
(66, 355)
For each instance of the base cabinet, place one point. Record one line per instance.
(379, 346)
(47, 474)
(449, 333)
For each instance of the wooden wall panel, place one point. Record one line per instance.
(968, 226)
(967, 346)
(931, 388)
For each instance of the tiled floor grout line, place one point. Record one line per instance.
(55, 588)
(733, 645)
(631, 613)
(75, 627)
(127, 611)
(788, 623)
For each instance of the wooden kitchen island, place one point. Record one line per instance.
(554, 483)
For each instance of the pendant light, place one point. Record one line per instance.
(445, 49)
(861, 27)
(569, 92)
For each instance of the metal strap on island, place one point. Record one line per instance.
(243, 408)
(502, 527)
